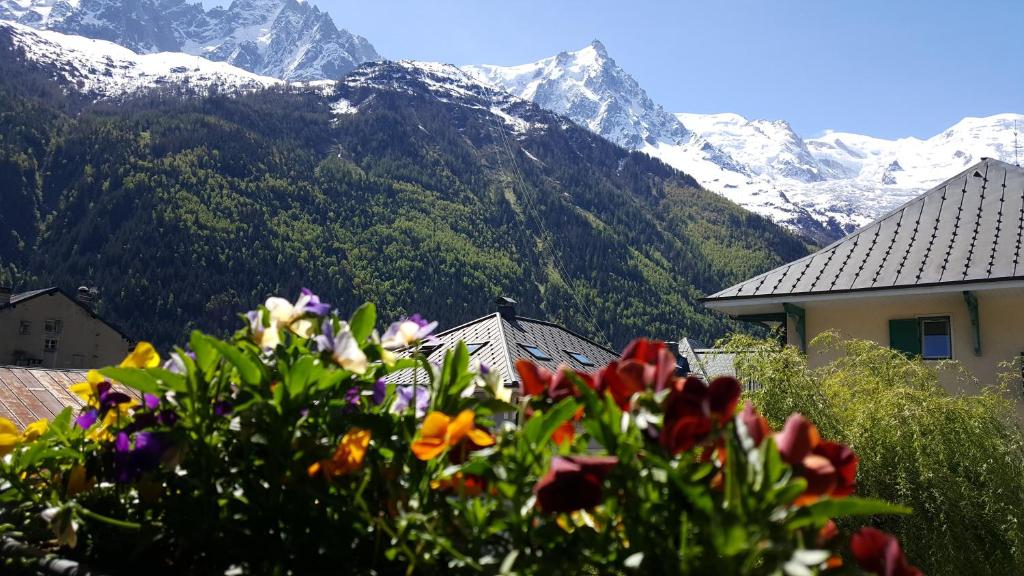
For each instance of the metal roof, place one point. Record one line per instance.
(30, 394)
(502, 342)
(968, 229)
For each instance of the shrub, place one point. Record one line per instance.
(956, 460)
(286, 450)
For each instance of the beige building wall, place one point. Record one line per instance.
(83, 341)
(1000, 312)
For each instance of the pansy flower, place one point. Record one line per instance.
(143, 356)
(347, 458)
(440, 432)
(406, 332)
(829, 468)
(692, 410)
(344, 349)
(266, 336)
(293, 316)
(573, 483)
(409, 396)
(880, 553)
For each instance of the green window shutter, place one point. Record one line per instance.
(905, 336)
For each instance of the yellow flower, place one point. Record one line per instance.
(35, 430)
(440, 431)
(77, 480)
(348, 456)
(144, 356)
(88, 391)
(9, 437)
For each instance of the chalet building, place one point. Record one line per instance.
(940, 277)
(52, 329)
(499, 339)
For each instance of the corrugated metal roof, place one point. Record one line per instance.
(30, 394)
(502, 342)
(970, 228)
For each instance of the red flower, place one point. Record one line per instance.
(692, 409)
(573, 483)
(541, 382)
(756, 425)
(880, 553)
(644, 365)
(829, 468)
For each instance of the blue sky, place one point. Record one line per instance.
(885, 68)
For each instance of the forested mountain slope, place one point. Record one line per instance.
(407, 185)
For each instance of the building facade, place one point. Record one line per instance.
(941, 277)
(51, 329)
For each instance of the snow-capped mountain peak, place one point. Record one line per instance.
(591, 89)
(285, 39)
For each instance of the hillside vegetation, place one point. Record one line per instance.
(183, 207)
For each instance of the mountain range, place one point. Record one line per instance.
(291, 40)
(822, 187)
(409, 184)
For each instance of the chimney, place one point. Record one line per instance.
(506, 307)
(5, 295)
(87, 296)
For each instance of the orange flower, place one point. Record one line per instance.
(440, 432)
(348, 456)
(461, 484)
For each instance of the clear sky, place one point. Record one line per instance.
(888, 68)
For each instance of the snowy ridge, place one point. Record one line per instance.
(822, 187)
(104, 69)
(287, 39)
(446, 83)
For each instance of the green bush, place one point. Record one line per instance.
(956, 460)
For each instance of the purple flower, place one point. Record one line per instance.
(122, 444)
(110, 398)
(150, 401)
(352, 396)
(344, 349)
(222, 408)
(404, 398)
(131, 462)
(86, 419)
(310, 303)
(380, 391)
(407, 332)
(167, 417)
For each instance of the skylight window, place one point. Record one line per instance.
(475, 346)
(581, 358)
(536, 352)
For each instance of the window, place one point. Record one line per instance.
(24, 327)
(536, 352)
(475, 346)
(581, 358)
(52, 326)
(936, 341)
(928, 337)
(50, 345)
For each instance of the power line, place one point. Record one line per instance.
(555, 255)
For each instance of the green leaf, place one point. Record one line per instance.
(249, 370)
(206, 354)
(851, 506)
(136, 378)
(558, 415)
(298, 377)
(363, 321)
